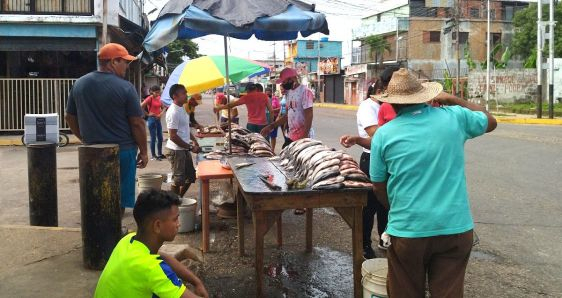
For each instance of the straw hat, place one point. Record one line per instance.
(404, 88)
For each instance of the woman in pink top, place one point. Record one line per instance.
(386, 113)
(256, 102)
(154, 108)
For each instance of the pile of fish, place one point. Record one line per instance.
(244, 141)
(321, 167)
(212, 129)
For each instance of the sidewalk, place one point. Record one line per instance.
(500, 117)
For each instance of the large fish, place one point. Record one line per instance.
(356, 184)
(357, 177)
(333, 180)
(325, 164)
(352, 171)
(330, 186)
(309, 153)
(325, 174)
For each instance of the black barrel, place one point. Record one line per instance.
(42, 181)
(99, 202)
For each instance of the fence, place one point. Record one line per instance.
(32, 96)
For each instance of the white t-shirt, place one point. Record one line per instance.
(177, 118)
(298, 100)
(367, 115)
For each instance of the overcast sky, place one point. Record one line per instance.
(342, 16)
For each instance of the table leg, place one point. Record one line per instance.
(280, 231)
(205, 214)
(240, 220)
(357, 239)
(259, 232)
(309, 213)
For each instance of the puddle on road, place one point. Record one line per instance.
(482, 256)
(323, 273)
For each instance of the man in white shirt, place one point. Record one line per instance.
(178, 147)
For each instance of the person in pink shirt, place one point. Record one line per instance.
(256, 102)
(155, 109)
(386, 113)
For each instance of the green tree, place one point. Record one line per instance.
(524, 42)
(377, 45)
(182, 47)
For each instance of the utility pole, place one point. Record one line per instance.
(104, 25)
(274, 62)
(488, 47)
(551, 61)
(458, 48)
(539, 59)
(396, 41)
(318, 73)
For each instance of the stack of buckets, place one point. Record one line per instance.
(187, 207)
(374, 272)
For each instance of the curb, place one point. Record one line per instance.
(16, 141)
(39, 228)
(336, 106)
(529, 121)
(510, 120)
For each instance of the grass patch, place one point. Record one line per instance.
(526, 108)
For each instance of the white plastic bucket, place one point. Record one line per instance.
(149, 181)
(187, 215)
(374, 272)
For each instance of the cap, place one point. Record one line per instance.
(114, 50)
(285, 74)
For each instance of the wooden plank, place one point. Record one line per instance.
(259, 232)
(240, 221)
(346, 214)
(272, 202)
(309, 216)
(357, 239)
(205, 214)
(280, 231)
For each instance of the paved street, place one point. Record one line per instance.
(514, 182)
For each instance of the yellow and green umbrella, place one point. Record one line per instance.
(207, 72)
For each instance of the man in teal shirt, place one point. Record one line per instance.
(417, 168)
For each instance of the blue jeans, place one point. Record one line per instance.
(127, 175)
(155, 128)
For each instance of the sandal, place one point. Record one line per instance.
(299, 211)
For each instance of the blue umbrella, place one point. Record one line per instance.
(265, 19)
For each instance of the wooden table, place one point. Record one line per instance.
(267, 206)
(207, 170)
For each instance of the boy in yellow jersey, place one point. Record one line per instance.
(135, 269)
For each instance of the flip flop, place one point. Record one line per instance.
(299, 211)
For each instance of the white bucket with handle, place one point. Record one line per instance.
(187, 215)
(374, 272)
(149, 181)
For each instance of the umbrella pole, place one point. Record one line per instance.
(228, 94)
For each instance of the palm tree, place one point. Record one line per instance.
(378, 45)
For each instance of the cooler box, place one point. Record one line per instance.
(41, 128)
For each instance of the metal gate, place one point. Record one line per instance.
(32, 96)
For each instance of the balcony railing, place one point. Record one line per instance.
(52, 7)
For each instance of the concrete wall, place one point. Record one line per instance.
(507, 85)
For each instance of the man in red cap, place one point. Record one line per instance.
(299, 102)
(104, 108)
(299, 108)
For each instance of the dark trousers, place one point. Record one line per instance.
(442, 259)
(373, 207)
(155, 129)
(286, 143)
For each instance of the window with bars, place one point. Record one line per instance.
(474, 12)
(74, 7)
(431, 36)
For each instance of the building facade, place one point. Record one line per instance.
(421, 37)
(318, 63)
(46, 45)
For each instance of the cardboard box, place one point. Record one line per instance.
(40, 128)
